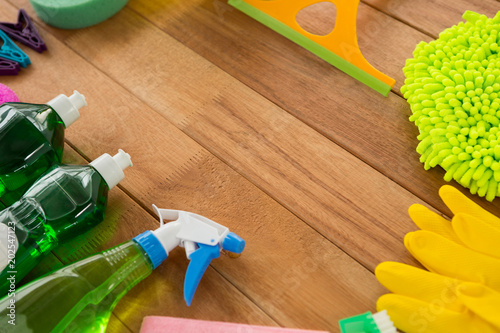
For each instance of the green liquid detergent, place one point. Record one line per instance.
(80, 297)
(65, 202)
(31, 141)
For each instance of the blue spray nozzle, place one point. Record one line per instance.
(202, 239)
(233, 243)
(10, 51)
(152, 246)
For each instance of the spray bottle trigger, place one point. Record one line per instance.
(200, 260)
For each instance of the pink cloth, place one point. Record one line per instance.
(180, 325)
(7, 95)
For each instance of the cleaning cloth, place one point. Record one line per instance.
(460, 292)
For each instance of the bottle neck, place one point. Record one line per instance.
(42, 116)
(152, 247)
(130, 265)
(47, 122)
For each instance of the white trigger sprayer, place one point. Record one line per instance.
(202, 238)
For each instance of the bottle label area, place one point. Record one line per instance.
(8, 245)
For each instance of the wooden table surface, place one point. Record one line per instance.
(228, 119)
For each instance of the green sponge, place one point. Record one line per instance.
(75, 14)
(453, 87)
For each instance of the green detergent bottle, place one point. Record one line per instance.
(81, 296)
(65, 202)
(31, 141)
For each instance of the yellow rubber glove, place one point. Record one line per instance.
(461, 293)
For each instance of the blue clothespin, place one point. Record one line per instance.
(10, 51)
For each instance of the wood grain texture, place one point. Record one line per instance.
(341, 108)
(237, 40)
(183, 175)
(225, 118)
(373, 128)
(432, 17)
(310, 175)
(65, 72)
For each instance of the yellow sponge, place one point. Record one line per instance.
(75, 14)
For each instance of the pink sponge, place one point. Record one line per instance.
(7, 95)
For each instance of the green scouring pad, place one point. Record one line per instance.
(453, 87)
(75, 14)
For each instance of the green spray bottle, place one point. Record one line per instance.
(81, 296)
(31, 141)
(65, 202)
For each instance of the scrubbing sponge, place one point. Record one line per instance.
(453, 87)
(7, 95)
(75, 14)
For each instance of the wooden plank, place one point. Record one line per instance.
(249, 51)
(432, 17)
(374, 128)
(174, 171)
(242, 46)
(282, 258)
(116, 326)
(291, 299)
(353, 116)
(310, 175)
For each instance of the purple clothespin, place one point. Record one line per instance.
(24, 32)
(9, 67)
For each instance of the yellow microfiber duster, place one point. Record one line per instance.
(453, 87)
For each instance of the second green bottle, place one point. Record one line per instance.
(65, 202)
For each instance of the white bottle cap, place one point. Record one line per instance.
(67, 107)
(111, 168)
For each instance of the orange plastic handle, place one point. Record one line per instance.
(342, 40)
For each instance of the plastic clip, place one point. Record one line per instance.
(24, 31)
(10, 51)
(9, 67)
(200, 260)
